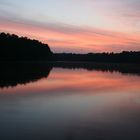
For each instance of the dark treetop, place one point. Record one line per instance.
(14, 48)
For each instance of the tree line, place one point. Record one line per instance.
(14, 48)
(123, 57)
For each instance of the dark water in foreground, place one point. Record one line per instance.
(70, 104)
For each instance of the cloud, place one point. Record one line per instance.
(63, 36)
(72, 38)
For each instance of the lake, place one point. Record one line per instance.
(71, 104)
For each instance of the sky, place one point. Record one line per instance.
(79, 26)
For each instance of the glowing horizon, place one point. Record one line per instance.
(75, 26)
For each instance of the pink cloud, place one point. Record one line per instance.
(74, 38)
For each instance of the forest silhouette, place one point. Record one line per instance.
(14, 48)
(123, 57)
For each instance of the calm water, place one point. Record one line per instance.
(72, 105)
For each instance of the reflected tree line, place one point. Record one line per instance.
(12, 74)
(123, 68)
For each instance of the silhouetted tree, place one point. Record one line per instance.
(14, 48)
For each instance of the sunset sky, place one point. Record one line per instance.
(75, 25)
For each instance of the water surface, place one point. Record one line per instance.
(72, 104)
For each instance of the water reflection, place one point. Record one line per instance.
(12, 74)
(72, 105)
